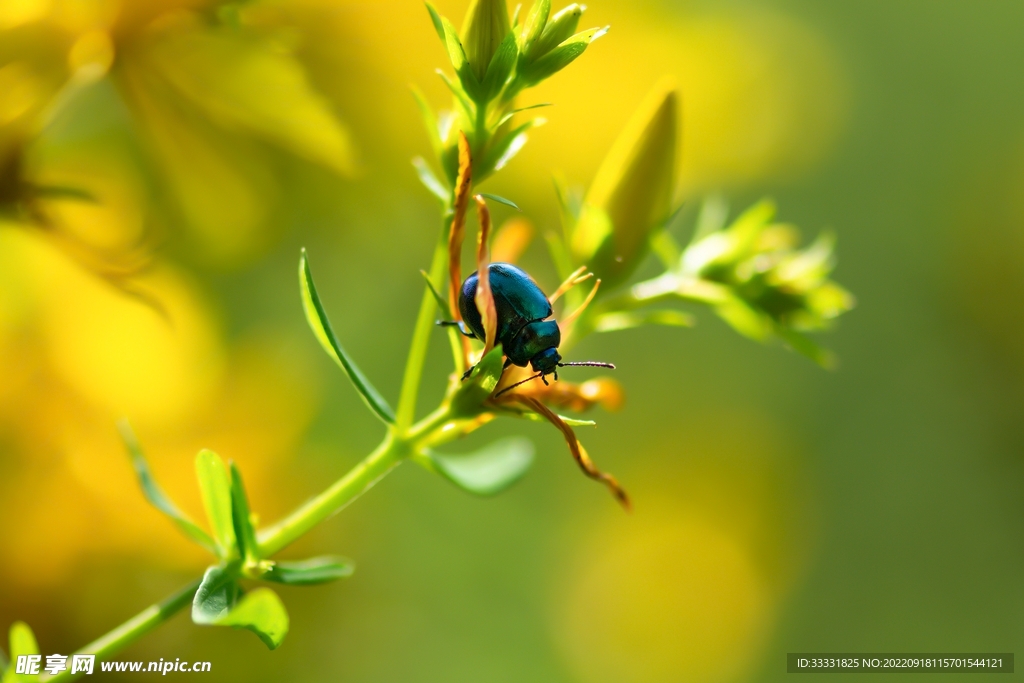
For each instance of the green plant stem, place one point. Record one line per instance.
(421, 335)
(131, 630)
(342, 492)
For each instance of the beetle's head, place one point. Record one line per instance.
(546, 361)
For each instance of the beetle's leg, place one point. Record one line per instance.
(544, 379)
(467, 373)
(460, 324)
(556, 374)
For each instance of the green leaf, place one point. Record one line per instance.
(559, 58)
(713, 214)
(155, 495)
(490, 470)
(312, 571)
(745, 319)
(215, 487)
(501, 200)
(435, 18)
(507, 117)
(666, 249)
(571, 421)
(321, 326)
(505, 149)
(477, 388)
(22, 642)
(217, 594)
(261, 612)
(430, 181)
(808, 348)
(246, 82)
(459, 61)
(220, 602)
(429, 122)
(241, 518)
(622, 320)
(442, 303)
(461, 97)
(500, 67)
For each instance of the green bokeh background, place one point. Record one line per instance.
(779, 507)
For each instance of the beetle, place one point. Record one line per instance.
(525, 331)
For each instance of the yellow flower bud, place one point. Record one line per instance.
(632, 193)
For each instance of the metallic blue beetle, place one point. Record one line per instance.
(524, 331)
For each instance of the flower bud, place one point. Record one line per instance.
(632, 193)
(560, 28)
(485, 26)
(534, 25)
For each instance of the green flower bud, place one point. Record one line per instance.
(534, 25)
(485, 26)
(632, 193)
(560, 28)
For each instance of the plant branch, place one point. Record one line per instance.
(131, 630)
(328, 503)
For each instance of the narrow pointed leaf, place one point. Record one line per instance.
(325, 335)
(312, 571)
(571, 421)
(241, 517)
(442, 303)
(490, 470)
(507, 117)
(460, 95)
(215, 487)
(612, 322)
(459, 60)
(713, 214)
(808, 348)
(501, 200)
(430, 181)
(505, 149)
(744, 319)
(155, 495)
(435, 18)
(262, 612)
(430, 122)
(560, 57)
(666, 249)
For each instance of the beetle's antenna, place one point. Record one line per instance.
(589, 364)
(510, 388)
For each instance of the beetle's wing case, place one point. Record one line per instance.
(517, 300)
